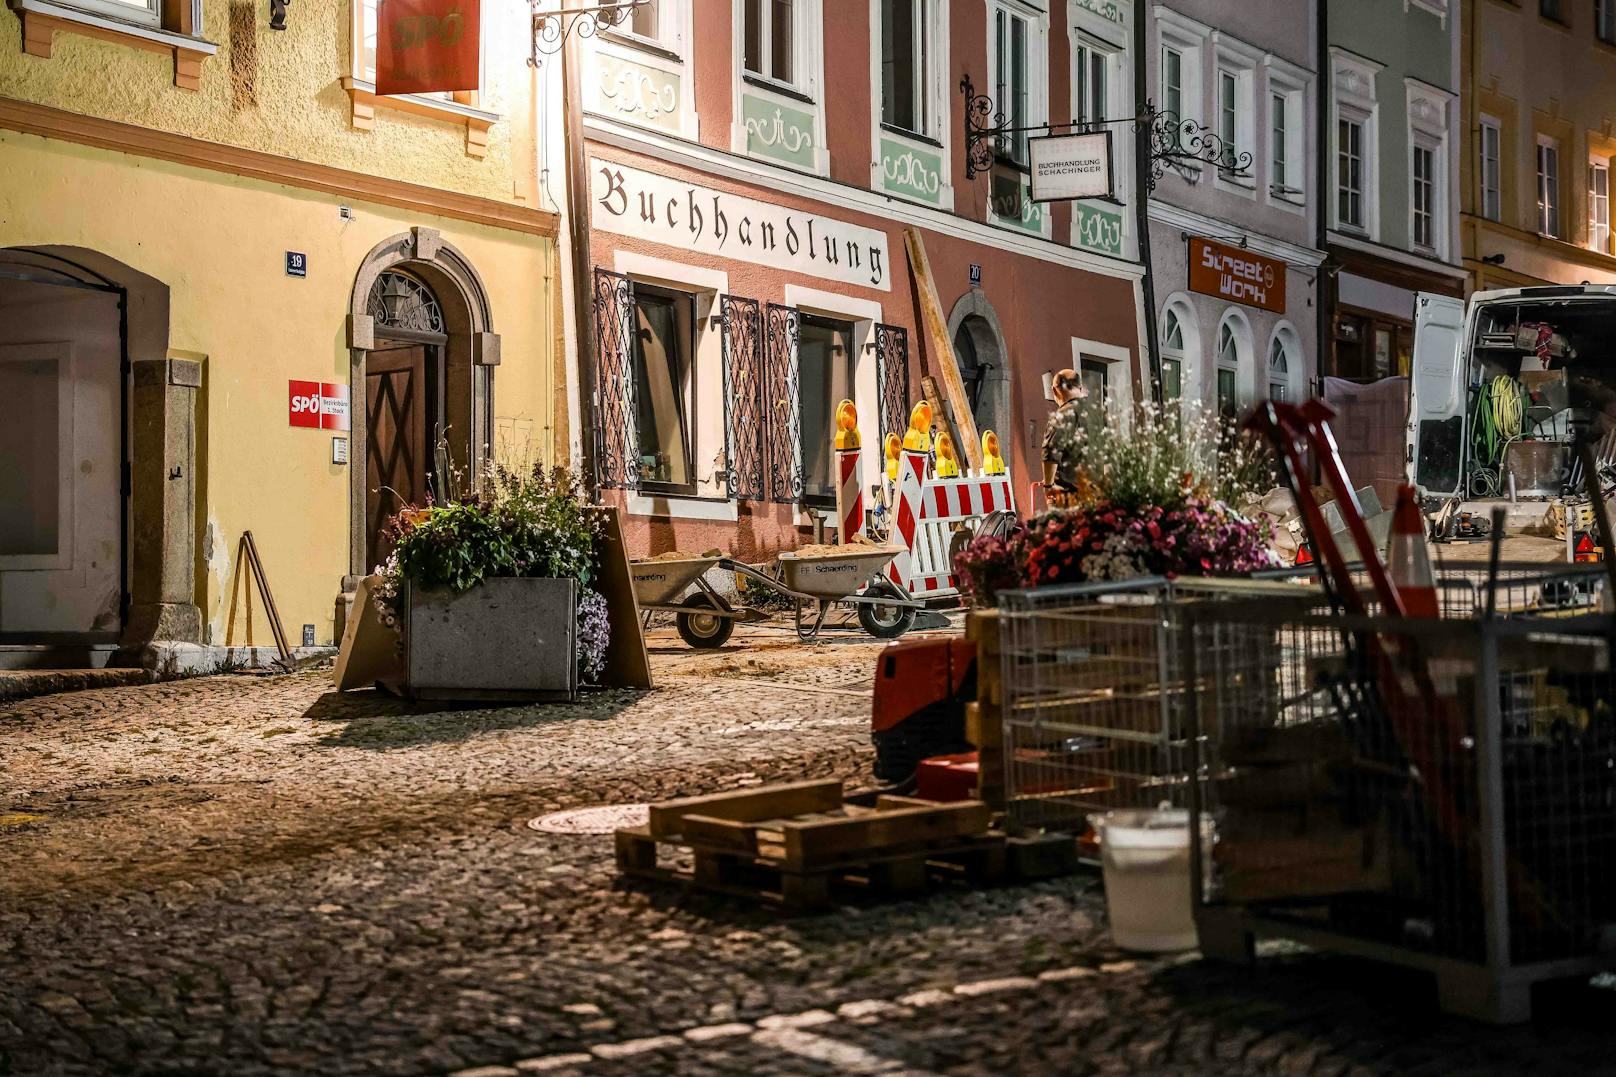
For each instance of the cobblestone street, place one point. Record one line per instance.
(250, 874)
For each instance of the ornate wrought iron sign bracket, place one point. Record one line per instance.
(552, 28)
(1174, 142)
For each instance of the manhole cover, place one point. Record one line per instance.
(602, 820)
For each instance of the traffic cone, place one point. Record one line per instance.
(1410, 561)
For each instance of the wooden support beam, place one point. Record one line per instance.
(942, 349)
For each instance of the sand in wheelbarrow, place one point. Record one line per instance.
(838, 551)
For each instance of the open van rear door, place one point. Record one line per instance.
(1436, 407)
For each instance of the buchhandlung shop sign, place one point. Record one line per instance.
(1237, 275)
(643, 205)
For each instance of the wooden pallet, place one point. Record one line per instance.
(792, 845)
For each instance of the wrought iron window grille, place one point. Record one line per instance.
(617, 441)
(1173, 142)
(744, 413)
(398, 301)
(782, 402)
(892, 377)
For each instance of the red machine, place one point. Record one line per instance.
(921, 688)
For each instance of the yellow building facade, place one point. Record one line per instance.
(1539, 107)
(240, 293)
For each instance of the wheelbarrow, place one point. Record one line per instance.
(704, 618)
(815, 583)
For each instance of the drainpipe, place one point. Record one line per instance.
(1321, 183)
(577, 195)
(1141, 186)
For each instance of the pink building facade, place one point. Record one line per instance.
(753, 166)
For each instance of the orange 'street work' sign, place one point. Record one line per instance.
(427, 46)
(1231, 273)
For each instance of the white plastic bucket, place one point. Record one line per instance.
(1145, 855)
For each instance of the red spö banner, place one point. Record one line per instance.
(427, 46)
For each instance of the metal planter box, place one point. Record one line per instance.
(507, 638)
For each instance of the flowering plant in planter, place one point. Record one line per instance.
(1154, 497)
(525, 522)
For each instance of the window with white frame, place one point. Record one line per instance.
(906, 59)
(143, 12)
(1356, 205)
(1016, 64)
(1280, 364)
(1428, 109)
(1548, 186)
(1349, 173)
(1287, 122)
(664, 389)
(1228, 369)
(1599, 204)
(1491, 148)
(1234, 106)
(1172, 355)
(1172, 76)
(1423, 197)
(770, 40)
(1091, 81)
(655, 22)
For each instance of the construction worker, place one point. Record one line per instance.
(1060, 461)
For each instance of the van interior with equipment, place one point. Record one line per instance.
(1539, 373)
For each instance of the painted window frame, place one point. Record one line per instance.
(1547, 173)
(1092, 34)
(1428, 111)
(1599, 203)
(1356, 101)
(864, 315)
(1188, 39)
(1037, 74)
(1285, 340)
(1118, 372)
(1191, 378)
(936, 141)
(669, 55)
(1238, 325)
(806, 16)
(148, 14)
(1490, 171)
(672, 33)
(1287, 84)
(690, 416)
(1234, 66)
(805, 95)
(928, 31)
(711, 500)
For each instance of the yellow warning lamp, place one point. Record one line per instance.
(894, 450)
(992, 462)
(847, 435)
(918, 436)
(947, 463)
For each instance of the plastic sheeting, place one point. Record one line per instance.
(1371, 429)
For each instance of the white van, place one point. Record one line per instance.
(1501, 386)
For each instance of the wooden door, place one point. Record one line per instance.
(395, 439)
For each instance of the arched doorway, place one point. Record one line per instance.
(423, 353)
(984, 363)
(97, 540)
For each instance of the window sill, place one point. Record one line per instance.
(642, 44)
(912, 136)
(364, 101)
(682, 506)
(752, 78)
(42, 21)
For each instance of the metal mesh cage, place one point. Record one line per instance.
(1094, 690)
(1440, 786)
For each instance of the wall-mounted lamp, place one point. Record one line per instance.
(1493, 260)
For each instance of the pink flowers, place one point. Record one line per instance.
(1107, 542)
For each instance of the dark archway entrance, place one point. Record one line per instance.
(984, 364)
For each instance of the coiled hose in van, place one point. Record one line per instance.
(1500, 408)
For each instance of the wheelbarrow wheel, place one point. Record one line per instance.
(702, 629)
(885, 622)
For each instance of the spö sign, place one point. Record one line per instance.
(427, 46)
(322, 405)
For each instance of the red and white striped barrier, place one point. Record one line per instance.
(849, 495)
(906, 513)
(926, 518)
